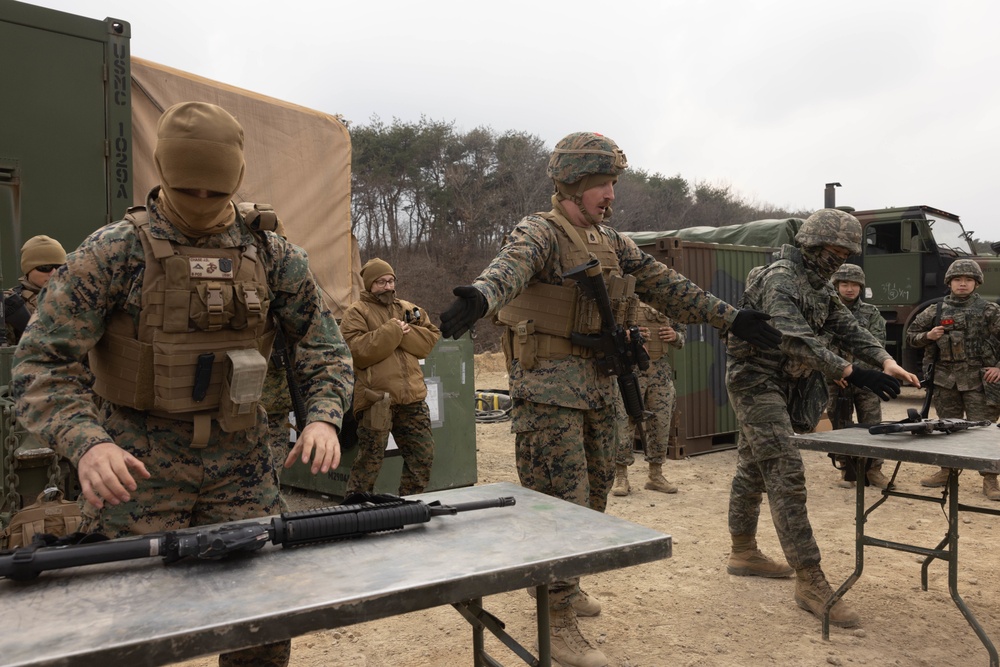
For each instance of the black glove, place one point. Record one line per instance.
(884, 386)
(752, 326)
(468, 307)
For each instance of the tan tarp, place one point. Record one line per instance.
(298, 161)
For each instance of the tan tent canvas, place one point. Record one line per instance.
(298, 161)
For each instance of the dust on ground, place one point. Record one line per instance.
(686, 611)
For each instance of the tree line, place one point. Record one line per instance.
(436, 202)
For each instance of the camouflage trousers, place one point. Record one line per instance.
(767, 462)
(565, 453)
(411, 429)
(659, 398)
(231, 478)
(863, 401)
(279, 440)
(950, 403)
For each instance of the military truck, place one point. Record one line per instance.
(905, 254)
(79, 126)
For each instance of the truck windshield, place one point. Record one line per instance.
(948, 234)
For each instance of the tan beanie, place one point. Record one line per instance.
(199, 146)
(39, 251)
(374, 269)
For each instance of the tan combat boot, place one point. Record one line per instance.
(582, 604)
(657, 482)
(569, 647)
(940, 478)
(876, 478)
(990, 487)
(621, 487)
(811, 593)
(747, 560)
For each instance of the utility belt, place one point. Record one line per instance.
(526, 344)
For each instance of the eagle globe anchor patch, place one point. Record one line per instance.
(219, 268)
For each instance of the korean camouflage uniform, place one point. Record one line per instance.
(659, 397)
(864, 400)
(563, 410)
(807, 311)
(970, 345)
(231, 478)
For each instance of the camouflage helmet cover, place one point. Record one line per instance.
(964, 267)
(830, 226)
(849, 273)
(581, 154)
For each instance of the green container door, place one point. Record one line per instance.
(66, 127)
(450, 379)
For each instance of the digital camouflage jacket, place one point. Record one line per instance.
(532, 254)
(52, 381)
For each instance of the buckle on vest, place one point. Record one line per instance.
(252, 299)
(215, 305)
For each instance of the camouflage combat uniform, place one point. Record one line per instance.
(388, 361)
(659, 398)
(867, 404)
(231, 478)
(805, 308)
(970, 344)
(29, 293)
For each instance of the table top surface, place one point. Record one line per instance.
(146, 613)
(972, 449)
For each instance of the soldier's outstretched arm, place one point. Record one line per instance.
(890, 367)
(104, 474)
(320, 443)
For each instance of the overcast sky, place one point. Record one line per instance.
(898, 101)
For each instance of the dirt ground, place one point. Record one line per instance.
(687, 611)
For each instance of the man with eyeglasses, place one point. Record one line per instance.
(40, 257)
(388, 337)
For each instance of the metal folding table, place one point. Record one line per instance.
(974, 449)
(145, 613)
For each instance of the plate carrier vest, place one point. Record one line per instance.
(542, 317)
(204, 317)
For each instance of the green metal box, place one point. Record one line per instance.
(448, 373)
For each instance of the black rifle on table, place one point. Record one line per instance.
(928, 426)
(618, 353)
(364, 513)
(282, 358)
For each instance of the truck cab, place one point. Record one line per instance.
(905, 254)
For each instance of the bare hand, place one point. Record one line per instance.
(992, 375)
(890, 367)
(935, 333)
(402, 325)
(842, 383)
(667, 334)
(319, 442)
(104, 474)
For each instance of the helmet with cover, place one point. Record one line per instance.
(849, 273)
(583, 154)
(830, 226)
(964, 267)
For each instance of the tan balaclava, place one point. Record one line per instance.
(39, 251)
(199, 146)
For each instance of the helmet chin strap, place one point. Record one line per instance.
(564, 192)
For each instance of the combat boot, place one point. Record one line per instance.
(990, 487)
(940, 478)
(582, 604)
(747, 560)
(621, 487)
(657, 482)
(811, 593)
(876, 478)
(569, 647)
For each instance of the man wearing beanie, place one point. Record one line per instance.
(388, 338)
(169, 446)
(40, 257)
